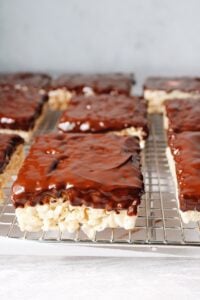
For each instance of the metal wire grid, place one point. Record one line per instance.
(158, 222)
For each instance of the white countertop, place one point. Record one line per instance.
(49, 278)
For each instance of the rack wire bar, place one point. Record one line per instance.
(158, 224)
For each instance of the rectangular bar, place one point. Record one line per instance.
(21, 111)
(68, 85)
(11, 157)
(184, 160)
(159, 89)
(72, 181)
(120, 114)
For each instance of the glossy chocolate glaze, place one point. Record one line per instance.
(20, 109)
(104, 113)
(169, 84)
(183, 114)
(8, 145)
(100, 83)
(185, 148)
(25, 79)
(104, 171)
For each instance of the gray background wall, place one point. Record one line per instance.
(144, 36)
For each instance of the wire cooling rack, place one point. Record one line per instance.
(158, 224)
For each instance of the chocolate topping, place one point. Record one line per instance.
(100, 83)
(169, 84)
(183, 114)
(36, 80)
(8, 145)
(20, 109)
(100, 171)
(185, 147)
(104, 113)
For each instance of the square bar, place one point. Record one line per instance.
(24, 80)
(73, 181)
(11, 157)
(21, 111)
(182, 115)
(159, 89)
(184, 161)
(120, 114)
(68, 85)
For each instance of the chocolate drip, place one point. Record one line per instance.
(54, 165)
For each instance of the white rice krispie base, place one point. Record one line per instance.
(62, 216)
(59, 99)
(190, 215)
(165, 119)
(11, 169)
(156, 98)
